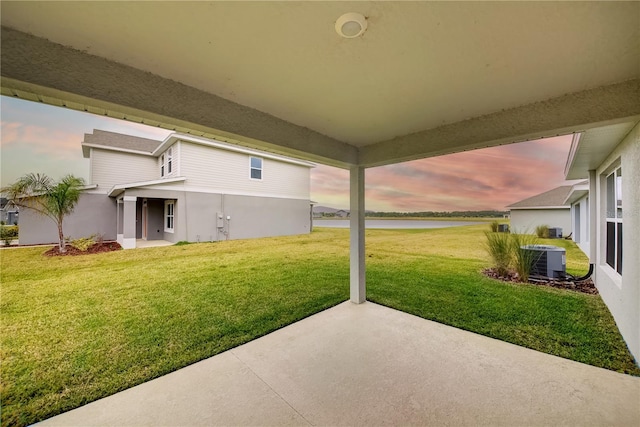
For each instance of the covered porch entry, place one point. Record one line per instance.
(143, 219)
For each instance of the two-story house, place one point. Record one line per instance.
(185, 188)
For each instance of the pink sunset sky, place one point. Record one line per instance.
(41, 138)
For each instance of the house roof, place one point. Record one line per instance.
(578, 191)
(425, 79)
(552, 199)
(118, 141)
(120, 188)
(134, 144)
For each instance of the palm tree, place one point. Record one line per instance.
(47, 197)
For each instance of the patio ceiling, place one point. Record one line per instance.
(425, 79)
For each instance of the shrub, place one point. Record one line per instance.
(10, 231)
(523, 259)
(542, 231)
(84, 243)
(499, 247)
(494, 226)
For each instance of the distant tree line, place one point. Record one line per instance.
(432, 214)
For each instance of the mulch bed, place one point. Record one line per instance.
(585, 286)
(95, 249)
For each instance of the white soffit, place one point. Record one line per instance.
(594, 146)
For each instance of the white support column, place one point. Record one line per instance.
(129, 222)
(357, 254)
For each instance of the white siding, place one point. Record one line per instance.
(526, 220)
(228, 172)
(109, 168)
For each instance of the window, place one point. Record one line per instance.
(256, 168)
(614, 220)
(166, 163)
(169, 208)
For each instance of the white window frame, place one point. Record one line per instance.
(613, 215)
(252, 168)
(166, 163)
(169, 215)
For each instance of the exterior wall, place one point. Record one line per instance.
(262, 216)
(109, 168)
(195, 218)
(227, 172)
(621, 293)
(580, 224)
(526, 220)
(200, 217)
(94, 214)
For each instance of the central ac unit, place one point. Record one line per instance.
(548, 261)
(555, 233)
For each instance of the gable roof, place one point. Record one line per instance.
(151, 147)
(552, 199)
(118, 141)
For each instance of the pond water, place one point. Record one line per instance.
(393, 223)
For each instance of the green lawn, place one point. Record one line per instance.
(75, 329)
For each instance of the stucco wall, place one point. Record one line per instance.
(526, 220)
(251, 217)
(94, 214)
(622, 293)
(262, 216)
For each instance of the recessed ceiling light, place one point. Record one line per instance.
(351, 25)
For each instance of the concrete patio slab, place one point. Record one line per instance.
(371, 365)
(141, 243)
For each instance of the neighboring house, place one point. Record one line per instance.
(342, 213)
(610, 158)
(9, 212)
(548, 208)
(185, 188)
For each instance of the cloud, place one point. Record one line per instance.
(489, 178)
(51, 142)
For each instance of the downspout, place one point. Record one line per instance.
(186, 217)
(594, 218)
